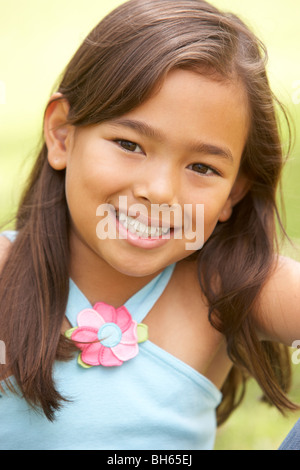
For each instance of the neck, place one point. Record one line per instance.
(98, 280)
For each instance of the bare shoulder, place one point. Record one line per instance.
(278, 312)
(285, 274)
(5, 246)
(202, 346)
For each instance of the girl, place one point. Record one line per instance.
(123, 338)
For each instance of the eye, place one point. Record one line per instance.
(129, 146)
(203, 169)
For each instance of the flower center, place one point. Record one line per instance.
(110, 335)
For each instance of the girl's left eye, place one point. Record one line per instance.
(203, 169)
(129, 146)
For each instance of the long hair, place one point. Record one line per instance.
(116, 69)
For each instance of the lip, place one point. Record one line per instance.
(141, 242)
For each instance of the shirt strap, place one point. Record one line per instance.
(140, 304)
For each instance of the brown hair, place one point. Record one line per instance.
(116, 68)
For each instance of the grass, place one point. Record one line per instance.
(256, 425)
(36, 44)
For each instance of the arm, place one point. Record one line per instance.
(278, 314)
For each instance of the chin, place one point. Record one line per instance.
(139, 268)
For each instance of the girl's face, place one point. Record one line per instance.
(181, 147)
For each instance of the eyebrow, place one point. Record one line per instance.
(152, 133)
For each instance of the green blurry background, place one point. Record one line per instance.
(38, 37)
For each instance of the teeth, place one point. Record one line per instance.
(134, 226)
(122, 218)
(151, 231)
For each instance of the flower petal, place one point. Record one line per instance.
(124, 318)
(107, 312)
(108, 358)
(142, 332)
(92, 353)
(70, 331)
(83, 335)
(130, 335)
(81, 363)
(90, 317)
(124, 352)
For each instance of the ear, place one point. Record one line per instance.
(57, 132)
(239, 190)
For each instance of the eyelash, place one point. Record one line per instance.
(122, 143)
(207, 167)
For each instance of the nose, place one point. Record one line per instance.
(157, 184)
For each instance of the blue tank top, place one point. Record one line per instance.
(152, 402)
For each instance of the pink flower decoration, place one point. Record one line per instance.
(105, 335)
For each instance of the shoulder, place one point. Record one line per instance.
(5, 245)
(197, 343)
(278, 309)
(285, 274)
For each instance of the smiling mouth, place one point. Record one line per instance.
(141, 230)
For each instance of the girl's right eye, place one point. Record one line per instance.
(129, 146)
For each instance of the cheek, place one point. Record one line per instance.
(87, 181)
(212, 204)
(82, 195)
